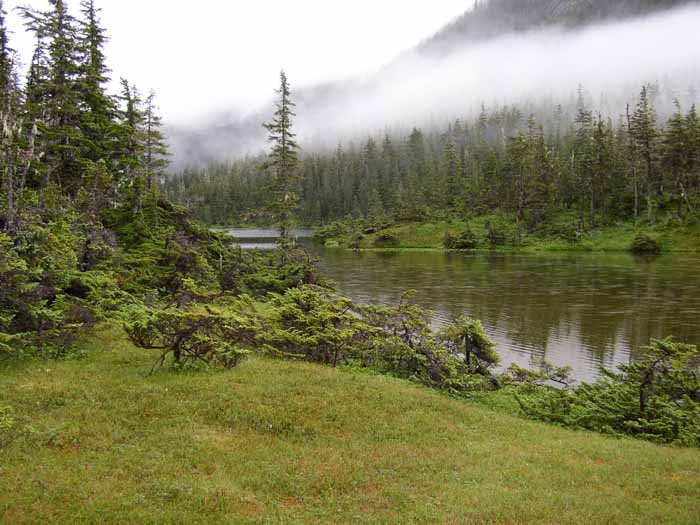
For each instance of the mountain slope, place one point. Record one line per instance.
(501, 43)
(493, 18)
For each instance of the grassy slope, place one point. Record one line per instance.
(613, 238)
(279, 442)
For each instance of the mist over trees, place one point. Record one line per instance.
(506, 160)
(504, 52)
(491, 18)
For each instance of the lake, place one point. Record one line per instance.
(262, 238)
(581, 310)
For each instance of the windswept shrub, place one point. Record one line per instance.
(208, 336)
(543, 373)
(466, 338)
(656, 398)
(312, 324)
(309, 323)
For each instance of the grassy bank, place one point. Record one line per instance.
(559, 236)
(97, 440)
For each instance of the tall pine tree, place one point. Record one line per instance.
(100, 111)
(283, 159)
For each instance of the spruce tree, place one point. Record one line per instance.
(10, 125)
(645, 134)
(156, 148)
(453, 169)
(677, 153)
(692, 121)
(130, 146)
(156, 154)
(62, 95)
(99, 118)
(35, 170)
(5, 60)
(283, 160)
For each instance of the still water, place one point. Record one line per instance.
(586, 311)
(263, 238)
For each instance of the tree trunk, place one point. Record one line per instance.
(9, 173)
(684, 194)
(636, 194)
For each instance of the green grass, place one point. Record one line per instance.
(616, 238)
(281, 442)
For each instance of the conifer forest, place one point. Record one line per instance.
(457, 285)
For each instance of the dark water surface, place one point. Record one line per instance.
(581, 310)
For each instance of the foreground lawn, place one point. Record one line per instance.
(279, 442)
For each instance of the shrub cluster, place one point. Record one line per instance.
(656, 398)
(644, 244)
(466, 240)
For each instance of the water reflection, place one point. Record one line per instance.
(581, 310)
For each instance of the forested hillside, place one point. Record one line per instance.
(534, 166)
(395, 96)
(85, 232)
(492, 18)
(122, 318)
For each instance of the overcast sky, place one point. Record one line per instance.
(209, 55)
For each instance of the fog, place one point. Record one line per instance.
(209, 56)
(610, 61)
(214, 66)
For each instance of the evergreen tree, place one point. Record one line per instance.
(584, 155)
(693, 126)
(61, 100)
(156, 148)
(283, 159)
(644, 133)
(5, 60)
(130, 146)
(10, 124)
(100, 112)
(453, 170)
(604, 166)
(677, 153)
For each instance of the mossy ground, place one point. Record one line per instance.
(97, 440)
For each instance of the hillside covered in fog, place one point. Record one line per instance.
(490, 19)
(498, 52)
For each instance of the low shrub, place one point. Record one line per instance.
(496, 234)
(466, 240)
(656, 398)
(644, 244)
(193, 336)
(387, 240)
(312, 324)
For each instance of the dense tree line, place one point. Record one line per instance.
(62, 131)
(83, 227)
(563, 159)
